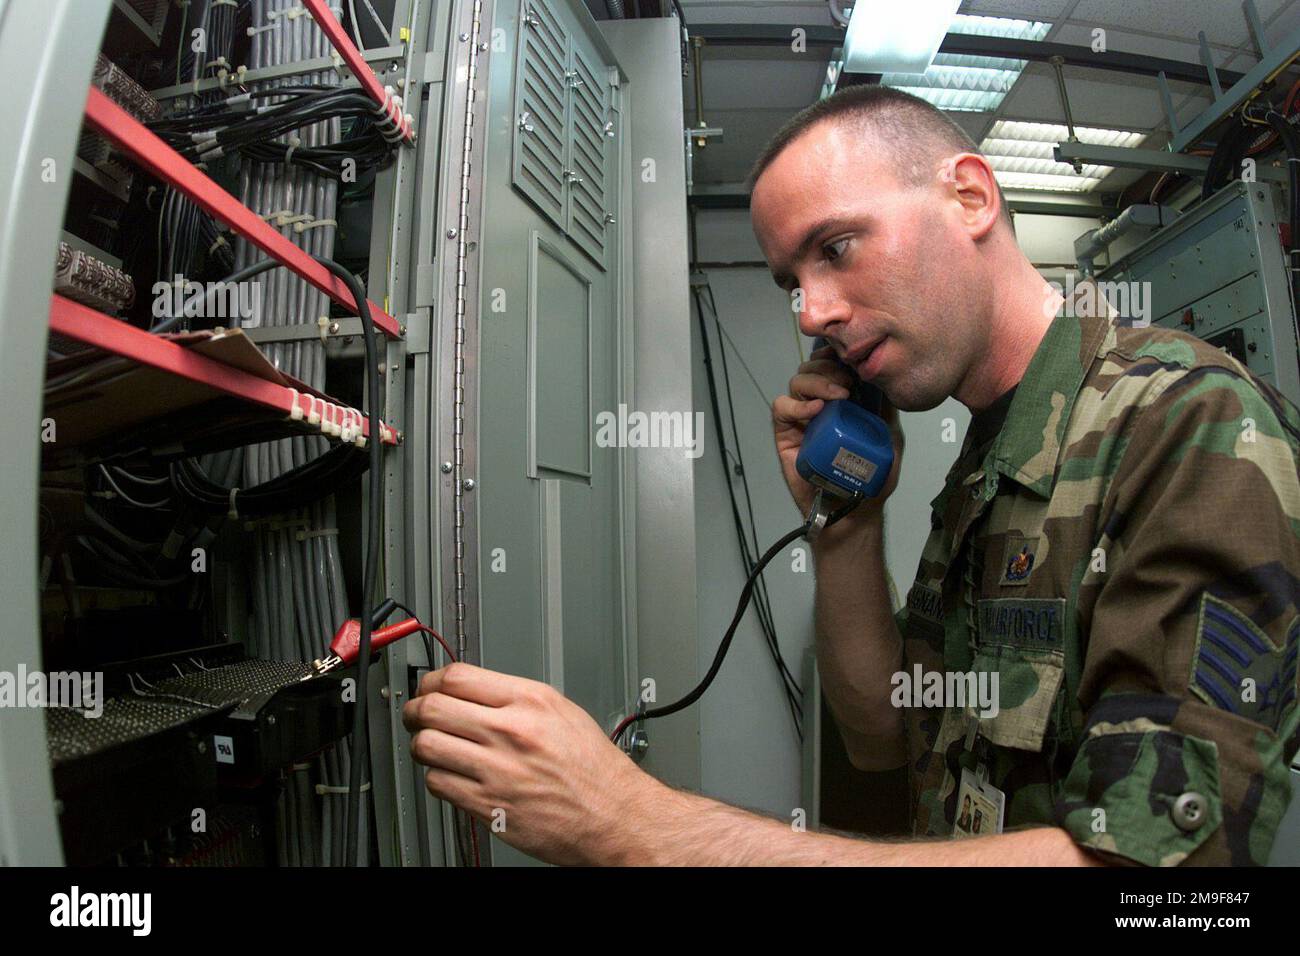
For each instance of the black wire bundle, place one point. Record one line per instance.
(187, 239)
(747, 539)
(126, 568)
(373, 526)
(1225, 162)
(239, 125)
(189, 235)
(220, 23)
(374, 530)
(301, 486)
(155, 553)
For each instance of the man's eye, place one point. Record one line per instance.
(833, 250)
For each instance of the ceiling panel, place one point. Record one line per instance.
(1287, 21)
(1025, 9)
(1172, 48)
(1223, 22)
(1099, 98)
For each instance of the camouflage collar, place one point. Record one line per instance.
(1029, 444)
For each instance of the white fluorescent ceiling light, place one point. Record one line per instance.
(1021, 155)
(972, 83)
(896, 36)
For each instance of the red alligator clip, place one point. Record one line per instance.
(347, 643)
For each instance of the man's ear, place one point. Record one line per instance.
(970, 178)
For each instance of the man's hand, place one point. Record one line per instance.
(858, 644)
(496, 743)
(816, 381)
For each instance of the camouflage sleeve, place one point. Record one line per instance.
(1189, 678)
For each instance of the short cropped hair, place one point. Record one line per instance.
(918, 133)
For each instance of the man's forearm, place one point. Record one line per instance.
(858, 645)
(669, 827)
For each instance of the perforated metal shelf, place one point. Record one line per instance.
(166, 704)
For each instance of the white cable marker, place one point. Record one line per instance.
(323, 790)
(295, 413)
(313, 223)
(345, 433)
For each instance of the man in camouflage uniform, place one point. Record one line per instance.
(1118, 542)
(1146, 649)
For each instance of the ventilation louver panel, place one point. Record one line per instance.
(588, 155)
(541, 109)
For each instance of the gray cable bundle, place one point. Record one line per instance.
(298, 595)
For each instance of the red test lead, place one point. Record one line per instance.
(347, 642)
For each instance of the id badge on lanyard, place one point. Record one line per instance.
(979, 803)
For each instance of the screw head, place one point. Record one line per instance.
(464, 37)
(638, 744)
(482, 47)
(469, 484)
(452, 233)
(334, 328)
(446, 468)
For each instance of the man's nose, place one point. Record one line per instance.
(819, 311)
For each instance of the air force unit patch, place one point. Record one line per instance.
(1018, 561)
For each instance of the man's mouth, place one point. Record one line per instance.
(860, 355)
